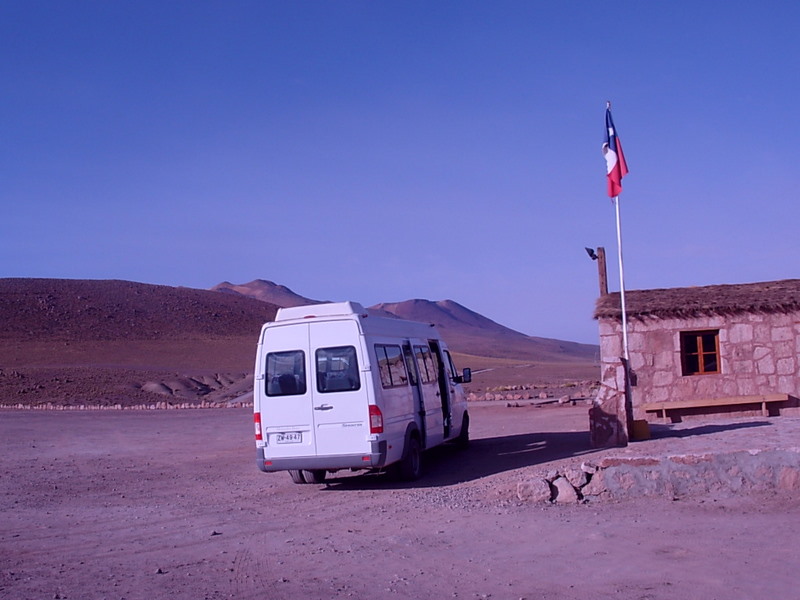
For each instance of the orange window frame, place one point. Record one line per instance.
(700, 352)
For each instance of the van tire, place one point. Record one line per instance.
(297, 476)
(315, 476)
(410, 466)
(462, 441)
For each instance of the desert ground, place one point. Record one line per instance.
(150, 504)
(140, 504)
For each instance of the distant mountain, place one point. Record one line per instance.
(73, 341)
(464, 330)
(471, 333)
(266, 291)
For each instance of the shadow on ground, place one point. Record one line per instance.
(448, 465)
(670, 431)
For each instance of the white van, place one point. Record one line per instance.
(336, 388)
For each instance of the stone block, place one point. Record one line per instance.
(739, 333)
(666, 361)
(659, 394)
(576, 477)
(762, 333)
(605, 427)
(636, 342)
(789, 478)
(783, 349)
(785, 366)
(565, 493)
(595, 487)
(534, 490)
(664, 378)
(742, 367)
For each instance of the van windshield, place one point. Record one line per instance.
(286, 373)
(337, 369)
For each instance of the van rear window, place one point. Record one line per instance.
(286, 373)
(391, 366)
(337, 369)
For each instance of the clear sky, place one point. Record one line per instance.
(387, 150)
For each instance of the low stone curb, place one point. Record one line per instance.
(671, 477)
(153, 406)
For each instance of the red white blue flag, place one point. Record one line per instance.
(615, 159)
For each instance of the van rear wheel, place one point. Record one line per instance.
(297, 476)
(315, 476)
(410, 466)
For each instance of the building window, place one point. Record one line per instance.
(700, 352)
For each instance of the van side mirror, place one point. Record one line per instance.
(465, 378)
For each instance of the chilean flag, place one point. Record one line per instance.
(615, 159)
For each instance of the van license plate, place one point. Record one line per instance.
(293, 437)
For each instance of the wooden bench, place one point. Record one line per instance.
(762, 399)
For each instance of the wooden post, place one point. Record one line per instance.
(602, 274)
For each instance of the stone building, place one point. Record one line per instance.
(699, 350)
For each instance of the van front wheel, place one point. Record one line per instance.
(410, 467)
(462, 441)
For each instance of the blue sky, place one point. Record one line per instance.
(386, 150)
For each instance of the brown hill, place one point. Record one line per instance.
(500, 356)
(74, 342)
(82, 310)
(468, 332)
(110, 342)
(266, 291)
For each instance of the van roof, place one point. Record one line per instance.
(330, 309)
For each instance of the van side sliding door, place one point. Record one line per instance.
(444, 385)
(431, 399)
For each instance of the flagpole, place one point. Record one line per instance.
(617, 168)
(625, 353)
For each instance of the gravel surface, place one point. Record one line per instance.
(150, 504)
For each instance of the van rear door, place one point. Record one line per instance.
(286, 405)
(340, 394)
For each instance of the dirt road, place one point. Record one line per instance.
(169, 504)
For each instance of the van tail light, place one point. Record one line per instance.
(257, 421)
(375, 419)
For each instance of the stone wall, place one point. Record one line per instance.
(758, 353)
(676, 476)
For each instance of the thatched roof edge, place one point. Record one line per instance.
(771, 297)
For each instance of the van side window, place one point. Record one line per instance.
(427, 370)
(408, 354)
(286, 373)
(337, 369)
(391, 365)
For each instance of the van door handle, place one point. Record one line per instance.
(323, 407)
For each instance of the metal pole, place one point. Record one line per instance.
(628, 392)
(622, 286)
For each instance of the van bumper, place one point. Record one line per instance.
(373, 459)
